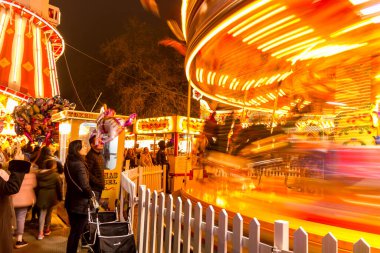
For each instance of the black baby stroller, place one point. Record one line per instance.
(107, 234)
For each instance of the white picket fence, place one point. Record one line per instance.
(152, 177)
(163, 228)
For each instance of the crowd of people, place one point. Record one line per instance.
(134, 157)
(40, 190)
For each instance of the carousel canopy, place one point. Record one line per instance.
(280, 54)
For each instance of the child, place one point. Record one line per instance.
(49, 194)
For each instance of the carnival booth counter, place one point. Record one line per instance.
(74, 125)
(174, 131)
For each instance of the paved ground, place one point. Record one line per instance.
(54, 243)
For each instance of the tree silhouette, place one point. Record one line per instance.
(146, 78)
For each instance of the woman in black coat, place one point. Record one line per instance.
(78, 193)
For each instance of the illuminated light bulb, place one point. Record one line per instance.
(259, 20)
(213, 78)
(209, 77)
(201, 75)
(269, 27)
(371, 10)
(245, 85)
(282, 37)
(357, 2)
(327, 51)
(295, 47)
(197, 74)
(250, 84)
(373, 20)
(225, 80)
(251, 18)
(236, 85)
(232, 83)
(220, 80)
(273, 31)
(286, 39)
(184, 17)
(377, 77)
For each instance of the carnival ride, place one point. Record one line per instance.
(275, 56)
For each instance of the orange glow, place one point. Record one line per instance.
(326, 51)
(184, 18)
(269, 27)
(356, 26)
(285, 38)
(297, 47)
(261, 19)
(357, 2)
(245, 22)
(371, 10)
(274, 30)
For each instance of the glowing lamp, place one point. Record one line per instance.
(11, 104)
(64, 128)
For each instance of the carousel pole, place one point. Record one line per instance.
(188, 130)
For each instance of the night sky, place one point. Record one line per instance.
(87, 25)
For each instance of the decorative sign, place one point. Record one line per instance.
(154, 125)
(196, 125)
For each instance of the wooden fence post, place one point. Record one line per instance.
(169, 224)
(153, 221)
(187, 227)
(210, 218)
(237, 237)
(222, 232)
(281, 235)
(329, 244)
(147, 223)
(177, 225)
(254, 236)
(160, 223)
(362, 246)
(198, 228)
(141, 219)
(300, 241)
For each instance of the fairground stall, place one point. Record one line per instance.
(9, 99)
(30, 45)
(174, 131)
(79, 125)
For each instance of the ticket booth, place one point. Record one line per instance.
(174, 131)
(78, 125)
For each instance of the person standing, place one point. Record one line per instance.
(78, 193)
(49, 194)
(22, 200)
(10, 186)
(96, 166)
(162, 160)
(146, 159)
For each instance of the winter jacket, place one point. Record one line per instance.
(96, 166)
(26, 196)
(7, 188)
(49, 189)
(78, 186)
(161, 157)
